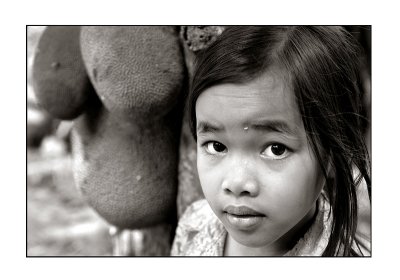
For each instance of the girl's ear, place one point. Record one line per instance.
(329, 170)
(329, 166)
(330, 174)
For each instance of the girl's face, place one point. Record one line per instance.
(256, 168)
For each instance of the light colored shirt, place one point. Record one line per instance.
(201, 233)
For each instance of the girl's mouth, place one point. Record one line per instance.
(243, 217)
(241, 211)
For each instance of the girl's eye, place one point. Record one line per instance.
(214, 148)
(276, 151)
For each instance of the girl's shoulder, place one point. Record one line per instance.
(362, 245)
(197, 215)
(199, 232)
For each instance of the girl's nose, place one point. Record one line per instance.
(240, 182)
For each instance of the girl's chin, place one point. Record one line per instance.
(254, 246)
(251, 240)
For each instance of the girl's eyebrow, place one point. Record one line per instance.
(273, 126)
(206, 127)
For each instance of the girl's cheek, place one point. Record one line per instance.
(203, 163)
(208, 169)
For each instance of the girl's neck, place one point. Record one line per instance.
(277, 248)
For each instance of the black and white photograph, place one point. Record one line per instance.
(199, 141)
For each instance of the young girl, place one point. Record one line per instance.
(276, 115)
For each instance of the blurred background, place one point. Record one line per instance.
(59, 222)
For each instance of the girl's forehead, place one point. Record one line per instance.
(266, 97)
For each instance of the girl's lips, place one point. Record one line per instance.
(243, 217)
(241, 211)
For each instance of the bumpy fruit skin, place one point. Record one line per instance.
(60, 81)
(127, 171)
(135, 70)
(126, 143)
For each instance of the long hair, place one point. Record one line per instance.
(321, 65)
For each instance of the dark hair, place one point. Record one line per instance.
(321, 64)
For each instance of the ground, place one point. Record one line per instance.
(59, 222)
